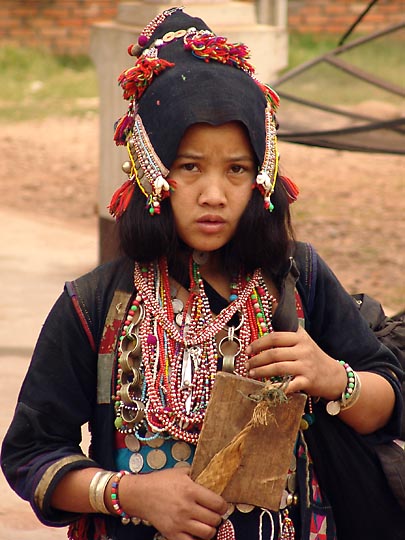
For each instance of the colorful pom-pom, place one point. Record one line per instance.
(142, 40)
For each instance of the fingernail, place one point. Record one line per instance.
(249, 349)
(252, 373)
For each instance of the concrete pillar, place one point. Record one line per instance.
(109, 41)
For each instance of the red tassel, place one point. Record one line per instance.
(209, 47)
(120, 199)
(291, 188)
(100, 529)
(123, 129)
(271, 95)
(79, 530)
(134, 81)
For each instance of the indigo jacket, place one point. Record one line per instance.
(68, 385)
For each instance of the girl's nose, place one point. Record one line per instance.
(212, 192)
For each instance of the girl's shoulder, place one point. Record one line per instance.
(116, 274)
(93, 293)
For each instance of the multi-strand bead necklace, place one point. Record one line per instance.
(179, 352)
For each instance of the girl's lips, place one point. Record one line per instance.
(211, 224)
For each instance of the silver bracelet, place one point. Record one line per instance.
(97, 488)
(349, 396)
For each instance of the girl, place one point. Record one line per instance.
(133, 347)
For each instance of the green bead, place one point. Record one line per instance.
(118, 422)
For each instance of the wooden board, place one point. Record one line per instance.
(261, 476)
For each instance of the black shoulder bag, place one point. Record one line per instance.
(336, 448)
(391, 332)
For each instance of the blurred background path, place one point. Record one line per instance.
(36, 258)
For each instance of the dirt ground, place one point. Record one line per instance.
(351, 206)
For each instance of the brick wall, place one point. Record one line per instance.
(336, 16)
(63, 26)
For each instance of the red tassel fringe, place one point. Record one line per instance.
(123, 129)
(208, 47)
(134, 81)
(121, 198)
(271, 95)
(291, 188)
(79, 530)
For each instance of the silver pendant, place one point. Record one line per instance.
(177, 306)
(200, 257)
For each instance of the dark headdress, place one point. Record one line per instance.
(185, 74)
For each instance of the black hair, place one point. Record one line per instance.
(262, 239)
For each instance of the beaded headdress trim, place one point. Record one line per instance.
(145, 169)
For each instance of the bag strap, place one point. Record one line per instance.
(285, 318)
(311, 268)
(291, 312)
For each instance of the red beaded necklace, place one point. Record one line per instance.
(179, 361)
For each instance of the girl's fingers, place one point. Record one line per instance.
(272, 341)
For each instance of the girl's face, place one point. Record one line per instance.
(214, 171)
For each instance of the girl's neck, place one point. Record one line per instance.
(212, 271)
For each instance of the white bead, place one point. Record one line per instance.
(263, 179)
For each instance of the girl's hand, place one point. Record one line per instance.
(176, 506)
(296, 354)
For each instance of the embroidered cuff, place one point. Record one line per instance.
(43, 493)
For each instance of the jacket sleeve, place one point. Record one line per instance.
(56, 399)
(337, 326)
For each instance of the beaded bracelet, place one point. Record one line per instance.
(97, 489)
(350, 395)
(114, 497)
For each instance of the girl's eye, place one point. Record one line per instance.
(237, 169)
(189, 166)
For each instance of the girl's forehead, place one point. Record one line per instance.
(227, 135)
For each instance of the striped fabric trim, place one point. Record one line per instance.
(51, 472)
